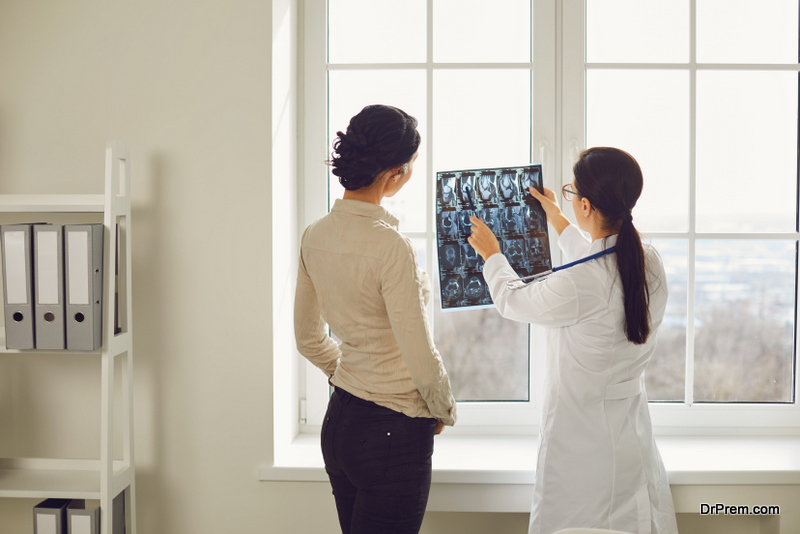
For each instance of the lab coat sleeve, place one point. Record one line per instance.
(310, 329)
(552, 302)
(573, 243)
(404, 295)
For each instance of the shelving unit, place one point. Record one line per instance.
(105, 478)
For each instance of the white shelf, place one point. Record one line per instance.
(39, 478)
(102, 479)
(52, 203)
(119, 344)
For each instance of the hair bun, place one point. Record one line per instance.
(378, 138)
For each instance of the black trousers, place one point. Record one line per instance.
(379, 464)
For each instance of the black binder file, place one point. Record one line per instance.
(83, 263)
(500, 197)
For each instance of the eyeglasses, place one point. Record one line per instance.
(568, 193)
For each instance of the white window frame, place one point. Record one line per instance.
(558, 135)
(688, 418)
(508, 417)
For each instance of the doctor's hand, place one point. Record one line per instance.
(482, 239)
(554, 214)
(439, 428)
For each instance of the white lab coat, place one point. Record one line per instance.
(598, 464)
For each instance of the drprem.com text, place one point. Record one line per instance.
(722, 509)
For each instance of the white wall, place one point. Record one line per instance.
(188, 85)
(191, 85)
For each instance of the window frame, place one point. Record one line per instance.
(506, 416)
(688, 417)
(558, 134)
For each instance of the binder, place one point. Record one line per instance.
(50, 516)
(83, 521)
(117, 327)
(18, 285)
(83, 264)
(118, 526)
(48, 274)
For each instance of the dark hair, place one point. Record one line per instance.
(612, 181)
(378, 138)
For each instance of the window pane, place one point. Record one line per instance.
(746, 139)
(745, 308)
(666, 374)
(477, 31)
(744, 31)
(635, 31)
(646, 113)
(377, 31)
(349, 92)
(486, 356)
(481, 118)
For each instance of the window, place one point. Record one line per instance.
(464, 70)
(703, 93)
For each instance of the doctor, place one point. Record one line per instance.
(598, 465)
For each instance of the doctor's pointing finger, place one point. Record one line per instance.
(482, 239)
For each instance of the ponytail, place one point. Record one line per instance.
(612, 181)
(633, 274)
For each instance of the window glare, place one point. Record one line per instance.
(746, 135)
(477, 31)
(377, 31)
(744, 31)
(646, 113)
(633, 31)
(482, 118)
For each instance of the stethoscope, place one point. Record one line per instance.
(519, 283)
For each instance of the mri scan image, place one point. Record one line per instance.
(512, 220)
(502, 200)
(451, 291)
(472, 260)
(452, 257)
(514, 250)
(508, 186)
(531, 177)
(474, 287)
(465, 225)
(487, 192)
(491, 219)
(448, 225)
(467, 183)
(447, 191)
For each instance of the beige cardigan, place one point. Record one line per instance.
(359, 275)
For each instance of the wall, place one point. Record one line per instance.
(207, 107)
(187, 83)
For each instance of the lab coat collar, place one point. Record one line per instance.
(365, 209)
(602, 244)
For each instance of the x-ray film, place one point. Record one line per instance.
(502, 200)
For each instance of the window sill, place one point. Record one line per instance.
(496, 473)
(460, 459)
